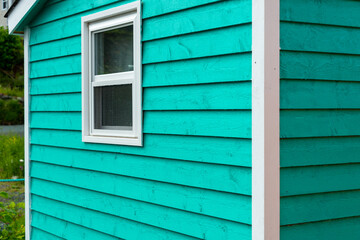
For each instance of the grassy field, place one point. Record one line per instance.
(12, 218)
(11, 156)
(12, 213)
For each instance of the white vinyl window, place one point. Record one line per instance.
(4, 4)
(111, 76)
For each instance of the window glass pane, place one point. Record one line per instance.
(114, 51)
(113, 107)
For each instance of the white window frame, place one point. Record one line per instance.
(122, 16)
(2, 4)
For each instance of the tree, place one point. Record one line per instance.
(11, 58)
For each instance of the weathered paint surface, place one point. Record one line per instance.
(192, 178)
(320, 114)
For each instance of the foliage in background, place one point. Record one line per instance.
(15, 92)
(12, 219)
(11, 152)
(11, 112)
(11, 78)
(11, 59)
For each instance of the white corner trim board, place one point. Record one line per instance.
(27, 132)
(265, 120)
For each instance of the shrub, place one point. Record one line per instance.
(11, 58)
(14, 112)
(14, 92)
(11, 112)
(11, 152)
(2, 111)
(12, 218)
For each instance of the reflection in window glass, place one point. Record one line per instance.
(114, 51)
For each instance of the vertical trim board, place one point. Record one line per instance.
(265, 120)
(26, 133)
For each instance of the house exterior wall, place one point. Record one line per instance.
(192, 178)
(320, 113)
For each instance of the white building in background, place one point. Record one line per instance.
(5, 5)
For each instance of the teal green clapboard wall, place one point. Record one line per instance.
(192, 178)
(320, 116)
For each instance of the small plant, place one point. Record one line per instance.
(12, 219)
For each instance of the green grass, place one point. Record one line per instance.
(11, 152)
(14, 92)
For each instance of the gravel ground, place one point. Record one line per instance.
(15, 191)
(13, 129)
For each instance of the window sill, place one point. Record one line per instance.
(113, 140)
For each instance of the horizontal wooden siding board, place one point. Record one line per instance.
(223, 14)
(196, 97)
(331, 12)
(70, 24)
(241, 177)
(307, 94)
(203, 44)
(213, 204)
(65, 230)
(108, 224)
(186, 187)
(319, 38)
(55, 67)
(319, 66)
(153, 215)
(165, 170)
(227, 68)
(55, 49)
(319, 207)
(38, 234)
(56, 84)
(319, 123)
(318, 179)
(319, 151)
(67, 26)
(195, 123)
(188, 148)
(61, 9)
(325, 230)
(153, 8)
(320, 165)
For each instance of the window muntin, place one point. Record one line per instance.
(112, 76)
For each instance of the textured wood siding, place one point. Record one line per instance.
(320, 115)
(192, 178)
